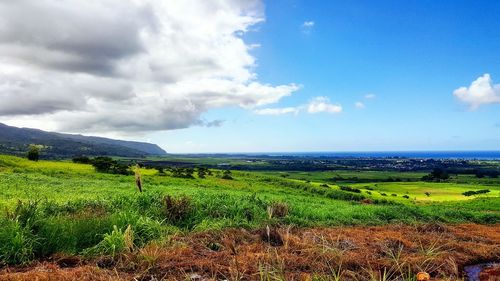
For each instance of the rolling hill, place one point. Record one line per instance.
(15, 141)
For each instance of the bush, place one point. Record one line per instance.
(350, 189)
(341, 195)
(478, 192)
(227, 175)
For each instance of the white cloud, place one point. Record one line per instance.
(316, 105)
(359, 105)
(277, 111)
(480, 92)
(370, 96)
(322, 104)
(308, 24)
(127, 65)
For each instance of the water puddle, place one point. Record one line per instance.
(472, 271)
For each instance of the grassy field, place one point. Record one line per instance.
(60, 207)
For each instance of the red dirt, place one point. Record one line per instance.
(358, 253)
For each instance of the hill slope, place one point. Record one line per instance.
(15, 141)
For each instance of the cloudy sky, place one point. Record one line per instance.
(249, 76)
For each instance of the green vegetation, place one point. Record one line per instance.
(63, 207)
(33, 153)
(477, 192)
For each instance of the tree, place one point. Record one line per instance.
(33, 153)
(82, 160)
(110, 166)
(437, 174)
(186, 173)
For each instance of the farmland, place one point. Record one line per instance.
(59, 210)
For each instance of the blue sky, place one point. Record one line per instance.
(251, 76)
(411, 55)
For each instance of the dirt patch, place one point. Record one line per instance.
(354, 253)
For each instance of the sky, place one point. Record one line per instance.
(203, 76)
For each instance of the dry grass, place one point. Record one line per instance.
(343, 253)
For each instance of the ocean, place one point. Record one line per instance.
(480, 155)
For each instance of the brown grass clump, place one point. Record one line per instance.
(176, 209)
(277, 210)
(393, 252)
(271, 236)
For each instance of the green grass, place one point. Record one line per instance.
(70, 208)
(441, 191)
(360, 175)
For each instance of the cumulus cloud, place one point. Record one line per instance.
(359, 105)
(480, 92)
(127, 65)
(370, 96)
(322, 104)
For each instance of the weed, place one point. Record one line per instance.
(113, 243)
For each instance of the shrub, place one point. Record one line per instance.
(227, 175)
(202, 172)
(350, 189)
(341, 195)
(478, 192)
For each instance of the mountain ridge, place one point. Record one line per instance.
(14, 140)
